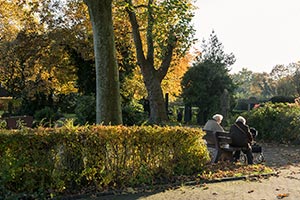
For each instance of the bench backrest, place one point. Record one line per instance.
(223, 137)
(216, 138)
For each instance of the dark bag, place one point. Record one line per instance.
(256, 148)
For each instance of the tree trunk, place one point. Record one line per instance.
(108, 106)
(158, 113)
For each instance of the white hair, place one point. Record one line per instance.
(218, 117)
(241, 119)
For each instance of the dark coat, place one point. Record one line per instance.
(241, 135)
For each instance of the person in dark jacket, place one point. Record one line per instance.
(242, 137)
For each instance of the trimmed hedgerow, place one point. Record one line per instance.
(42, 163)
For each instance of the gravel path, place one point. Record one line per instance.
(285, 159)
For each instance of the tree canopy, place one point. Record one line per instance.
(281, 81)
(208, 79)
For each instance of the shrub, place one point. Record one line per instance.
(46, 116)
(133, 114)
(86, 110)
(43, 163)
(278, 122)
(67, 102)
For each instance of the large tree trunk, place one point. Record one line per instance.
(108, 106)
(158, 113)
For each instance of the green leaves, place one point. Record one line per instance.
(72, 159)
(208, 79)
(278, 122)
(212, 51)
(204, 83)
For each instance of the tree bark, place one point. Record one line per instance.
(158, 113)
(108, 106)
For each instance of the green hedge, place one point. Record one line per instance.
(43, 162)
(279, 122)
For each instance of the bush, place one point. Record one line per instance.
(67, 102)
(43, 163)
(46, 116)
(279, 122)
(133, 114)
(86, 110)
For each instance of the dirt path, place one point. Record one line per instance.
(285, 159)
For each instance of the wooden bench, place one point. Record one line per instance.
(221, 142)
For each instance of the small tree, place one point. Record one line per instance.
(208, 79)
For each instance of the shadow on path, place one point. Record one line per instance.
(277, 156)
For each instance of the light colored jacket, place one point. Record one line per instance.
(212, 125)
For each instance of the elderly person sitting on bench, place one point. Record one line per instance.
(242, 137)
(214, 124)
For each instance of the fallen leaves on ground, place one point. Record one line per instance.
(227, 169)
(281, 196)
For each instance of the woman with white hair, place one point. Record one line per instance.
(214, 124)
(211, 126)
(242, 137)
